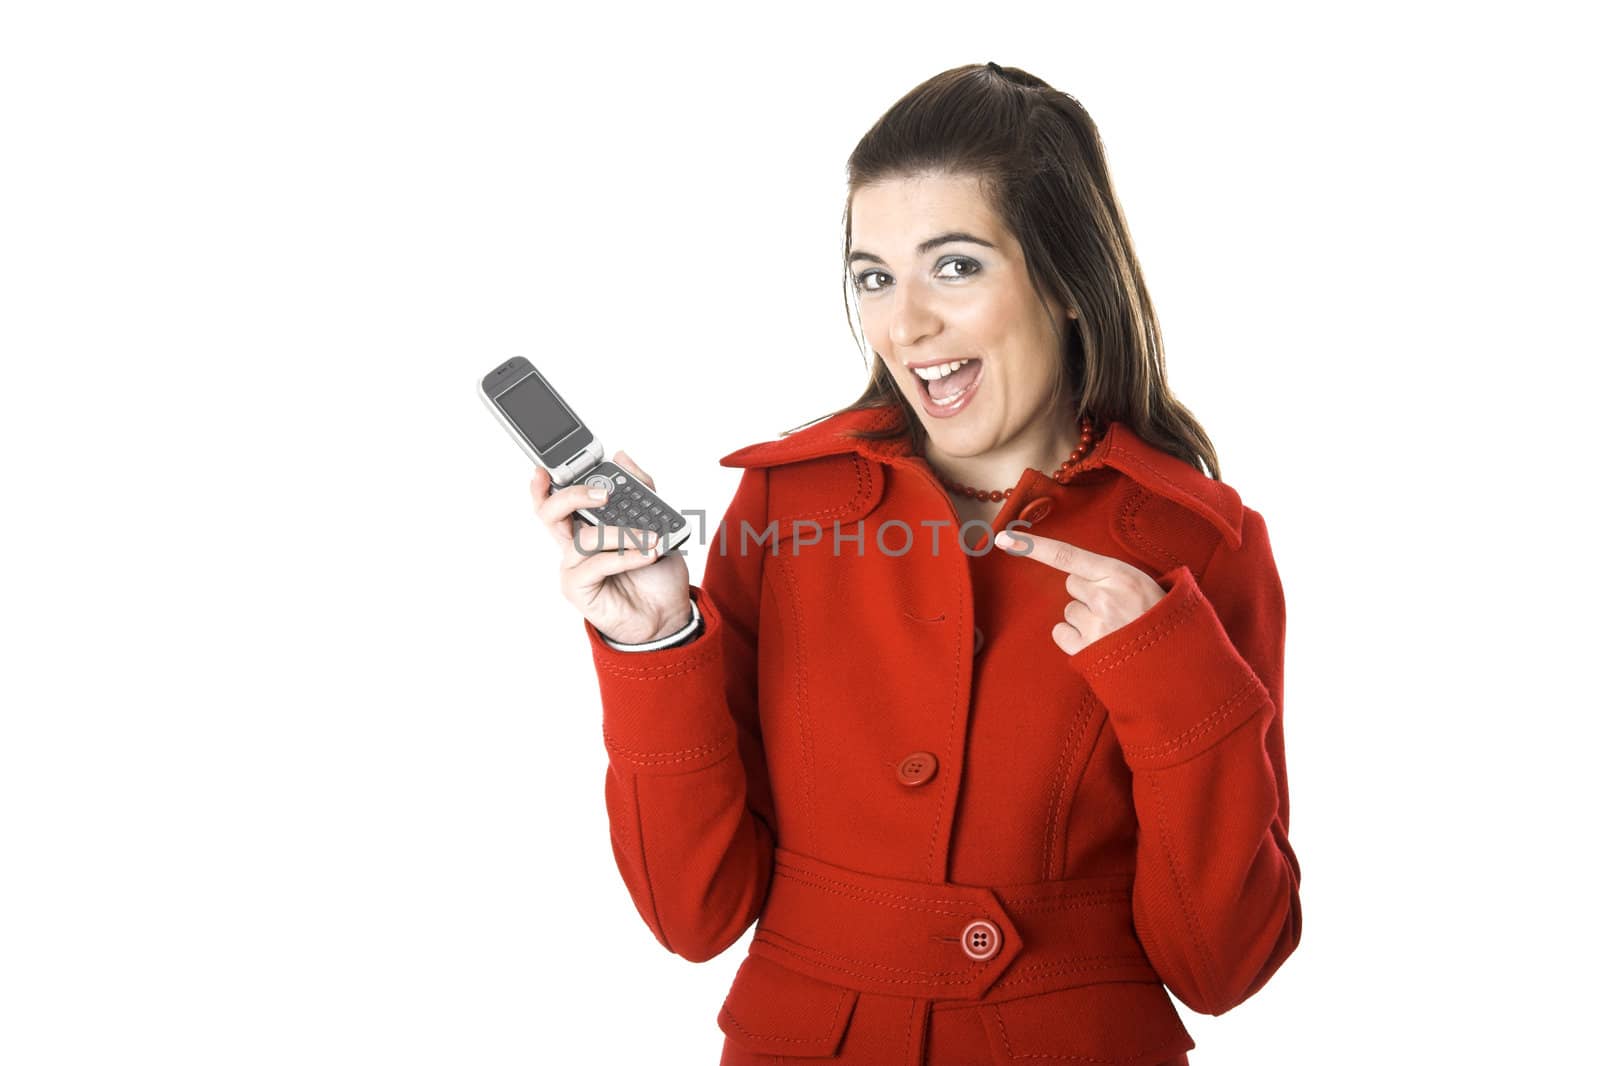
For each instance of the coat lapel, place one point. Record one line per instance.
(1120, 448)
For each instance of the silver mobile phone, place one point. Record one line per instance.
(540, 421)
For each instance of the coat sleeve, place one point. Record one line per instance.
(1194, 691)
(686, 785)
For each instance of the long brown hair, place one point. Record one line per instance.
(1038, 158)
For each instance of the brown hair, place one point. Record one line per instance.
(1039, 160)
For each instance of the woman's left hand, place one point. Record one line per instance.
(1103, 594)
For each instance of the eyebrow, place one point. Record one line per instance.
(926, 246)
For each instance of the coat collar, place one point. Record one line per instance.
(1120, 448)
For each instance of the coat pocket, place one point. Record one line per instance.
(1130, 1023)
(775, 1011)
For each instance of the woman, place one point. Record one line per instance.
(985, 804)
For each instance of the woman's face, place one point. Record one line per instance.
(965, 296)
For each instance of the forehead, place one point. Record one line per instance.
(890, 218)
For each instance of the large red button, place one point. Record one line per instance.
(917, 768)
(981, 939)
(1035, 510)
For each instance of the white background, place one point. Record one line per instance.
(301, 756)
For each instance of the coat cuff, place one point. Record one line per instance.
(666, 711)
(1171, 680)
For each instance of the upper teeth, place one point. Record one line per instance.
(931, 373)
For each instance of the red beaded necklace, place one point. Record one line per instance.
(1086, 438)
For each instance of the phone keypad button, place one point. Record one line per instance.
(632, 505)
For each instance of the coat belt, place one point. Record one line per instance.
(910, 938)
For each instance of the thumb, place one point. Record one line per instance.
(624, 460)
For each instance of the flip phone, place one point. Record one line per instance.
(553, 436)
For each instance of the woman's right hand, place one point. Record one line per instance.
(629, 594)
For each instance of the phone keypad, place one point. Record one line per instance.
(635, 506)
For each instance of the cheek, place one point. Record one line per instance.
(906, 387)
(1027, 381)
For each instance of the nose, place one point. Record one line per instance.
(910, 318)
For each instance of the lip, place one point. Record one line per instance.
(933, 409)
(937, 362)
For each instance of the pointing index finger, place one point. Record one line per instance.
(1068, 558)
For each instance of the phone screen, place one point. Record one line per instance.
(544, 421)
(538, 412)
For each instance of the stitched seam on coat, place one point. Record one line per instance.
(882, 898)
(1101, 898)
(1078, 964)
(1113, 659)
(1058, 784)
(1135, 503)
(853, 967)
(1211, 488)
(1248, 686)
(1005, 1038)
(844, 997)
(1091, 884)
(667, 758)
(649, 673)
(798, 645)
(862, 488)
(964, 610)
(1096, 897)
(644, 863)
(1189, 917)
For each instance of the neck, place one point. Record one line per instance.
(1042, 446)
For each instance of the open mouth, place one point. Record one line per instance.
(952, 390)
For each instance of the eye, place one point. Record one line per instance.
(861, 281)
(972, 265)
(963, 261)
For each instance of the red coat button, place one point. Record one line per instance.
(977, 640)
(981, 940)
(917, 768)
(1035, 510)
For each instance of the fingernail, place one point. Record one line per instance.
(597, 493)
(1004, 540)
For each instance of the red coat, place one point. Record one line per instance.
(962, 843)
